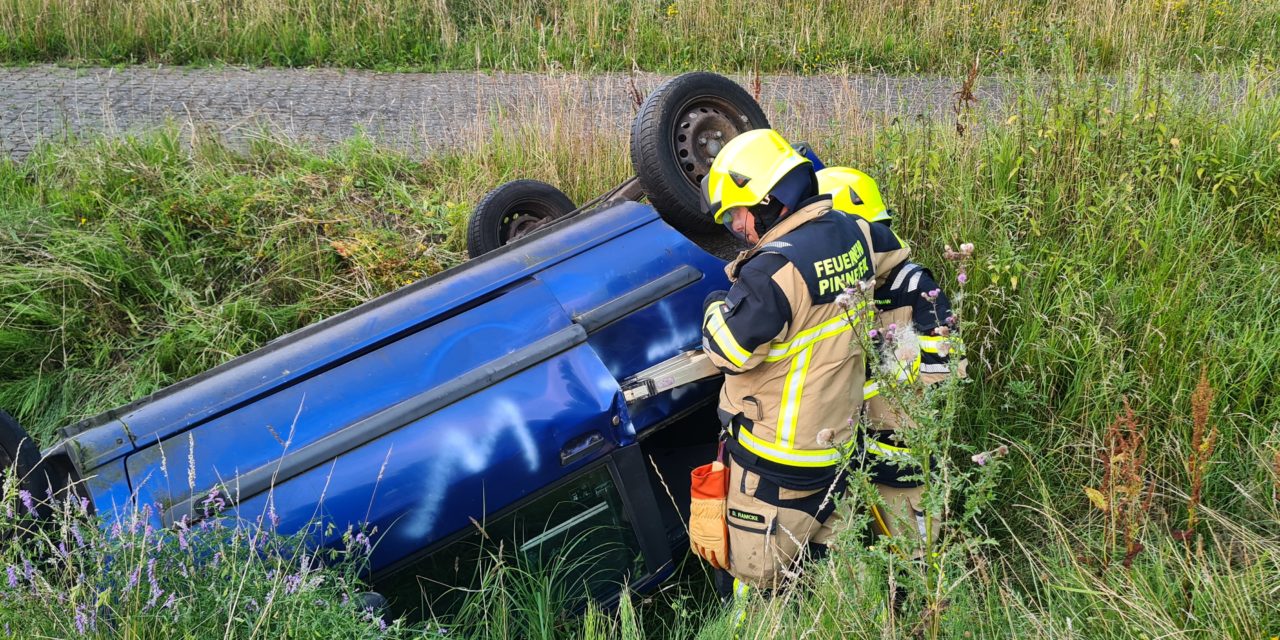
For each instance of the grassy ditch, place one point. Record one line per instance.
(1126, 242)
(802, 37)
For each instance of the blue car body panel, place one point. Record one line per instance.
(431, 406)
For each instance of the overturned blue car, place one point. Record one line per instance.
(548, 392)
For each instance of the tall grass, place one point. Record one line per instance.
(656, 35)
(1128, 241)
(70, 574)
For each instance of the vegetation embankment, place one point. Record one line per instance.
(802, 37)
(1126, 241)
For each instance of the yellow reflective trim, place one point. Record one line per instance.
(877, 448)
(792, 390)
(832, 327)
(723, 337)
(789, 456)
(870, 390)
(909, 374)
(931, 344)
(740, 588)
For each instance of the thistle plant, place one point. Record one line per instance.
(926, 569)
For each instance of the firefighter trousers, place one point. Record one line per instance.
(771, 528)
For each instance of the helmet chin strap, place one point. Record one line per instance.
(767, 214)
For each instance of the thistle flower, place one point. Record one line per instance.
(981, 459)
(844, 300)
(962, 278)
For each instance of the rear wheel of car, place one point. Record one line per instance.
(19, 452)
(511, 211)
(679, 130)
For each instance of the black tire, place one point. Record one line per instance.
(19, 451)
(511, 211)
(706, 110)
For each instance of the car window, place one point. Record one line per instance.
(579, 530)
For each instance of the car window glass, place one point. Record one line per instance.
(579, 533)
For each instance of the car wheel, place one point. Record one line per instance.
(19, 452)
(511, 211)
(679, 130)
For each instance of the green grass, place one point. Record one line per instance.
(73, 575)
(1127, 237)
(656, 35)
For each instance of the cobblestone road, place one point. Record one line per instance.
(414, 111)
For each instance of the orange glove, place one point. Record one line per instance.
(708, 534)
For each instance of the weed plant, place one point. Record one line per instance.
(1128, 241)
(657, 35)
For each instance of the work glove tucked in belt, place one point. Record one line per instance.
(708, 534)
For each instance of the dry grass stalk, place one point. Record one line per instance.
(1202, 447)
(965, 98)
(1125, 495)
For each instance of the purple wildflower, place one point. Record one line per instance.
(291, 583)
(962, 278)
(182, 540)
(26, 501)
(133, 577)
(873, 334)
(75, 533)
(62, 549)
(84, 505)
(28, 570)
(13, 577)
(168, 604)
(81, 621)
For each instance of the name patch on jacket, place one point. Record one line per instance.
(843, 271)
(744, 515)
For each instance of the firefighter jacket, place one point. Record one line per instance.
(794, 372)
(903, 300)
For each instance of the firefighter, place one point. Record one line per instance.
(907, 297)
(782, 335)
